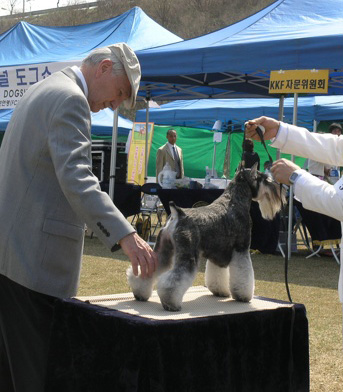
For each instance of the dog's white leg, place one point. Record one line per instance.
(173, 284)
(241, 276)
(142, 288)
(217, 279)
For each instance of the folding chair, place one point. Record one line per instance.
(151, 207)
(323, 229)
(298, 226)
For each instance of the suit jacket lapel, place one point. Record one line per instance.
(168, 151)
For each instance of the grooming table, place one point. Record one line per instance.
(114, 342)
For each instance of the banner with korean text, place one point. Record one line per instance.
(136, 160)
(314, 81)
(15, 80)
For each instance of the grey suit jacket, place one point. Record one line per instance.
(163, 156)
(48, 191)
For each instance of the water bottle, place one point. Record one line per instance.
(207, 178)
(334, 175)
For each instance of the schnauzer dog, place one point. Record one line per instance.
(220, 233)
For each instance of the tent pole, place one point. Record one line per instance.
(290, 209)
(280, 118)
(228, 155)
(113, 153)
(146, 139)
(214, 158)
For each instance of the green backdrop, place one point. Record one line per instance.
(236, 141)
(197, 147)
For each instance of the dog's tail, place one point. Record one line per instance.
(176, 211)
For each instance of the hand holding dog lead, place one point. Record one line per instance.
(282, 169)
(270, 125)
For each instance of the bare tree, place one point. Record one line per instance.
(187, 19)
(9, 5)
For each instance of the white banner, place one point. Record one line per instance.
(14, 81)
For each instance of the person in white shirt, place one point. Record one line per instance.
(314, 194)
(318, 169)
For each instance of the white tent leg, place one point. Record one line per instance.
(281, 111)
(290, 210)
(146, 140)
(113, 154)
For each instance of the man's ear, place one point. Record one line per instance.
(104, 66)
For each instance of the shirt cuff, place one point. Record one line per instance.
(281, 137)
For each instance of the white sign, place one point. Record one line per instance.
(14, 81)
(217, 137)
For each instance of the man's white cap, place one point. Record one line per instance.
(132, 69)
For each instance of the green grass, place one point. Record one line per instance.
(313, 282)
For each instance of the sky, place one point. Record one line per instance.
(35, 5)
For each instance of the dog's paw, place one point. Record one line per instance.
(140, 297)
(141, 288)
(222, 294)
(241, 298)
(170, 307)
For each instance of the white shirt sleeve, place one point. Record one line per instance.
(315, 194)
(301, 142)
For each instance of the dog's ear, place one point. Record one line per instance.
(241, 166)
(254, 170)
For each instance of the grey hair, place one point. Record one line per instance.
(97, 55)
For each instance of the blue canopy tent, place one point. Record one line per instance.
(5, 116)
(288, 34)
(59, 46)
(102, 122)
(46, 44)
(202, 113)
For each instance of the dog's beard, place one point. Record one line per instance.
(270, 199)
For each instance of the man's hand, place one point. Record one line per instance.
(282, 169)
(270, 125)
(139, 253)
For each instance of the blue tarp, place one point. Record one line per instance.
(26, 43)
(5, 116)
(102, 122)
(289, 34)
(203, 113)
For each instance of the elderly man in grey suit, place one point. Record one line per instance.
(47, 194)
(170, 153)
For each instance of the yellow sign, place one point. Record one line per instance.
(136, 164)
(299, 81)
